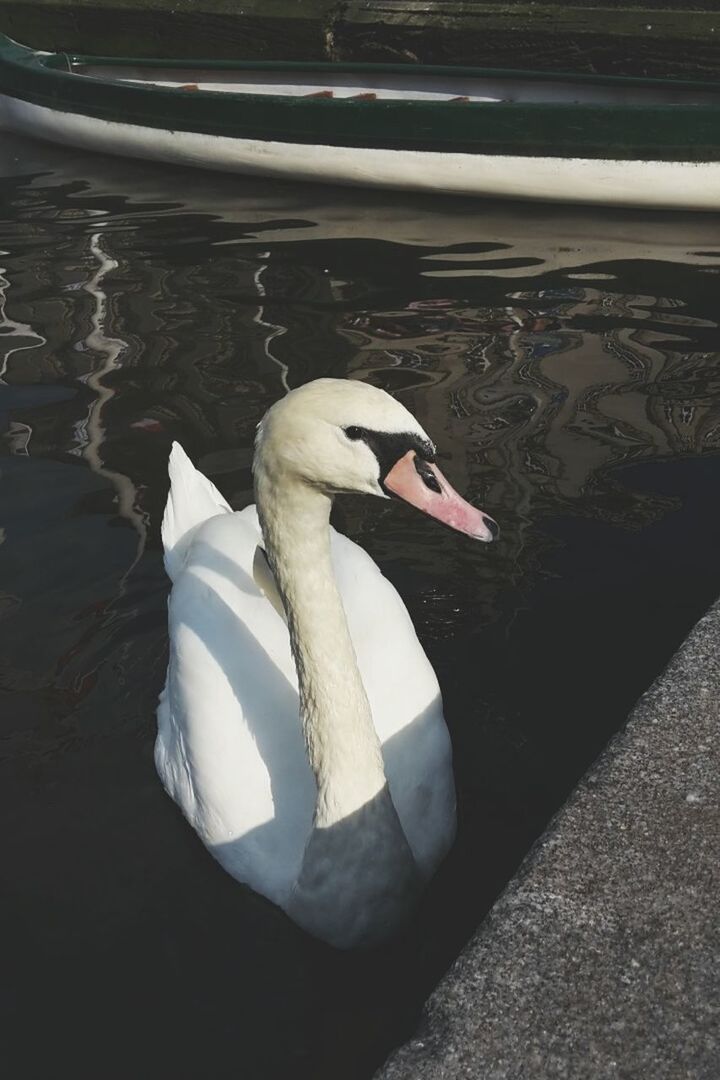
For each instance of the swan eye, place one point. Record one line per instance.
(354, 433)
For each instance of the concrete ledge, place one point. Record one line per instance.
(600, 960)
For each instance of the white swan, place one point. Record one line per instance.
(300, 729)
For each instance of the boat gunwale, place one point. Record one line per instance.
(371, 68)
(50, 63)
(271, 111)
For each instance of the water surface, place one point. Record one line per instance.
(566, 363)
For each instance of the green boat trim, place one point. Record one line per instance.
(683, 132)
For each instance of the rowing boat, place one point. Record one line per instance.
(528, 135)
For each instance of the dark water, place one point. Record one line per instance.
(567, 364)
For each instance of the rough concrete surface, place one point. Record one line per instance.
(601, 958)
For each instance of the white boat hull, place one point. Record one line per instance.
(659, 184)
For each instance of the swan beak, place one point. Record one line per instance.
(421, 484)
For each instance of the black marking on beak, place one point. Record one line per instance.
(427, 476)
(389, 447)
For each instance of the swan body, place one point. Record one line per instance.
(301, 729)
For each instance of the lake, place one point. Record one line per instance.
(566, 362)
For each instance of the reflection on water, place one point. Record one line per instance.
(567, 365)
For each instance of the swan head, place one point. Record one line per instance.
(340, 435)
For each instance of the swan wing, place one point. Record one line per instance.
(192, 500)
(229, 748)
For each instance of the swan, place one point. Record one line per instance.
(300, 729)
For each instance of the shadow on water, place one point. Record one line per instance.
(567, 364)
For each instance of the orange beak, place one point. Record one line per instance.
(421, 484)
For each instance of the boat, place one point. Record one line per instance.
(454, 130)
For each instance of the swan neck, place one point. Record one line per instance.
(342, 745)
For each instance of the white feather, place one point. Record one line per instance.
(191, 501)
